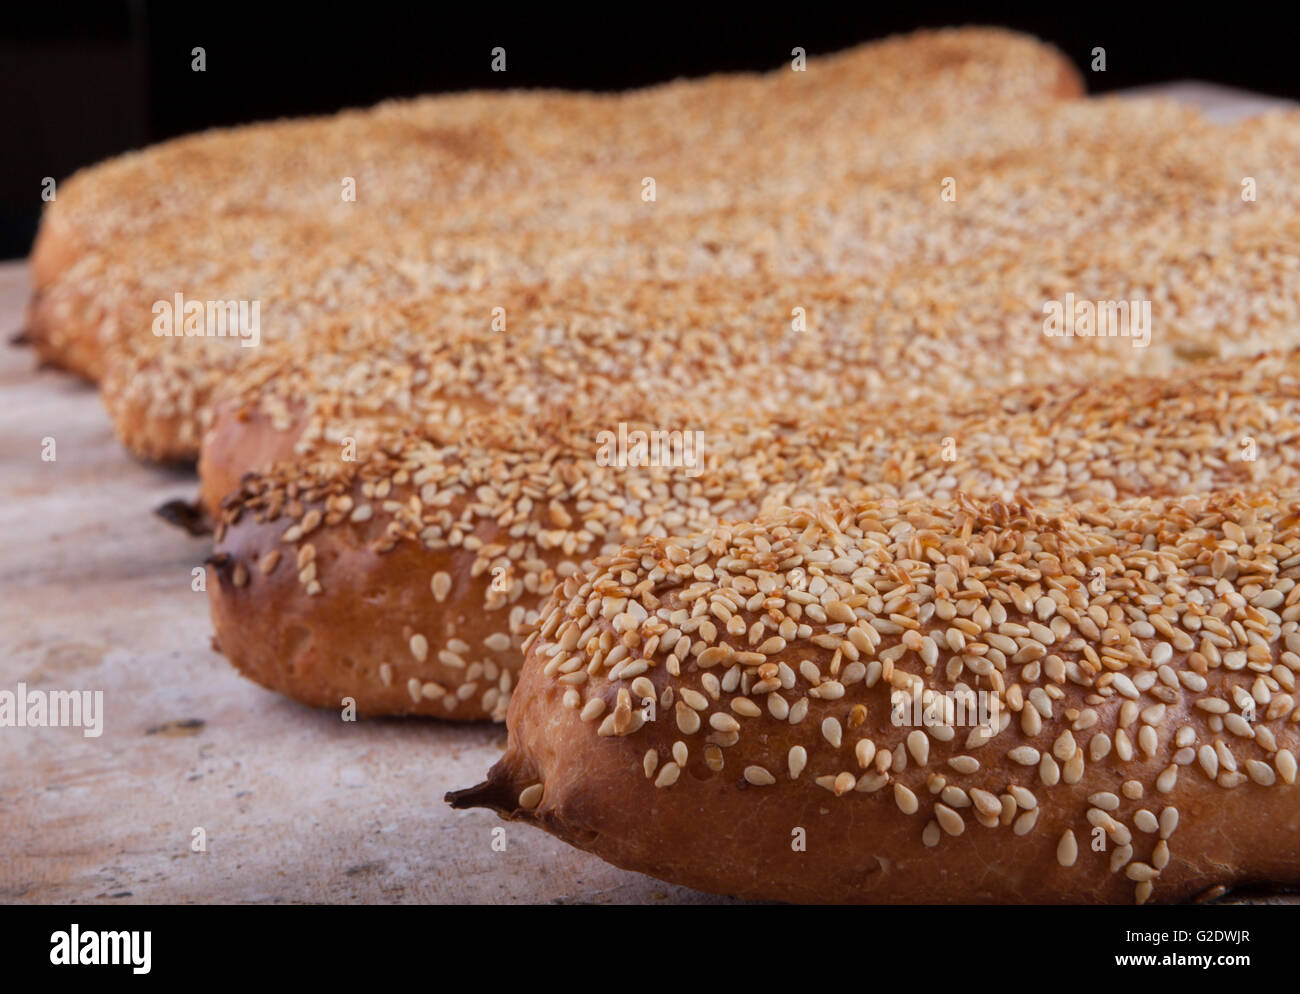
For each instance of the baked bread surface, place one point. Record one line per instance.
(726, 711)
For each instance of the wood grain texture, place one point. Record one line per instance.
(298, 806)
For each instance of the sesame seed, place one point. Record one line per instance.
(1168, 822)
(440, 584)
(1260, 772)
(918, 744)
(1024, 755)
(1166, 781)
(949, 820)
(797, 760)
(668, 775)
(1286, 766)
(1067, 849)
(419, 648)
(1141, 872)
(906, 800)
(832, 732)
(964, 764)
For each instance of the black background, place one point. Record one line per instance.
(351, 948)
(82, 80)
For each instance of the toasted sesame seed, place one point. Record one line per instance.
(949, 820)
(1024, 755)
(1067, 849)
(1141, 871)
(419, 647)
(668, 775)
(964, 764)
(796, 761)
(905, 799)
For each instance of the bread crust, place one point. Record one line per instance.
(327, 652)
(133, 230)
(241, 441)
(161, 395)
(55, 327)
(700, 815)
(422, 604)
(332, 584)
(534, 500)
(593, 338)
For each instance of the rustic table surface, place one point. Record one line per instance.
(295, 805)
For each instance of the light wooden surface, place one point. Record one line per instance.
(297, 805)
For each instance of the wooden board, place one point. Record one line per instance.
(296, 805)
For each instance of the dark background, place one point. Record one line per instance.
(82, 80)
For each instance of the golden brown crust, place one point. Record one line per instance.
(1144, 656)
(240, 441)
(1083, 223)
(1069, 81)
(407, 575)
(472, 143)
(342, 582)
(47, 321)
(594, 338)
(134, 231)
(535, 499)
(325, 652)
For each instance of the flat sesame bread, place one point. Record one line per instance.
(1045, 196)
(727, 440)
(408, 579)
(1142, 654)
(920, 337)
(532, 187)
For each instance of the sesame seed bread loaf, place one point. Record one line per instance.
(436, 362)
(770, 709)
(1062, 207)
(457, 147)
(408, 579)
(170, 218)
